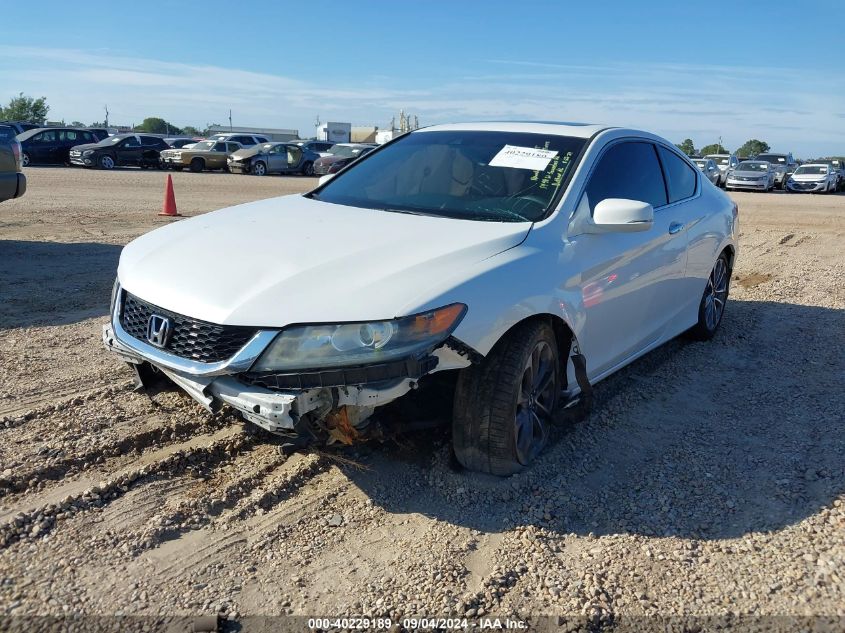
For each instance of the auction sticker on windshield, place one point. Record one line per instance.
(523, 158)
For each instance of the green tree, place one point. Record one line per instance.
(190, 130)
(752, 148)
(687, 147)
(714, 148)
(23, 108)
(155, 125)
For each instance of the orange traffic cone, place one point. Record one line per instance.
(169, 206)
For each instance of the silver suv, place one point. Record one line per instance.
(725, 163)
(783, 165)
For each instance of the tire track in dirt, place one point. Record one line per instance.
(44, 512)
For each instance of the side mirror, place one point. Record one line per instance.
(619, 215)
(324, 179)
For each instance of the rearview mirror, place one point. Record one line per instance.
(324, 179)
(619, 215)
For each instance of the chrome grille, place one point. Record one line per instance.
(190, 338)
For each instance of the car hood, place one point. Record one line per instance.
(808, 177)
(82, 148)
(332, 158)
(296, 260)
(248, 152)
(746, 174)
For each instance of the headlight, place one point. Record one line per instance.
(88, 152)
(327, 346)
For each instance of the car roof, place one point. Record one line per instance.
(558, 128)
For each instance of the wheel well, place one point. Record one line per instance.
(563, 336)
(731, 253)
(199, 158)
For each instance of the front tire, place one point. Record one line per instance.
(106, 162)
(197, 165)
(24, 160)
(259, 169)
(308, 169)
(503, 405)
(713, 301)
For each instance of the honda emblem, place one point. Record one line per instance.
(158, 330)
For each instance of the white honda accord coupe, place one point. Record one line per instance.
(515, 263)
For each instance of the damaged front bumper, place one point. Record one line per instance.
(336, 404)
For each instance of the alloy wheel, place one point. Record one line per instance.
(25, 159)
(259, 169)
(535, 402)
(107, 162)
(716, 294)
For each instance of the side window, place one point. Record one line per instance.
(131, 142)
(233, 147)
(219, 147)
(87, 137)
(627, 170)
(46, 137)
(679, 177)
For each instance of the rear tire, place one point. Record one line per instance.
(197, 165)
(713, 301)
(503, 405)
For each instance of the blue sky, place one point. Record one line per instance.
(750, 69)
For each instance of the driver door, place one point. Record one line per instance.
(129, 152)
(627, 281)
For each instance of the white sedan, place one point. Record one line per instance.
(509, 265)
(814, 177)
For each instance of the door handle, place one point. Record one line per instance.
(675, 227)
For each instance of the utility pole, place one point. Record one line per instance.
(230, 120)
(107, 115)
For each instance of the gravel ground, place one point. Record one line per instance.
(708, 482)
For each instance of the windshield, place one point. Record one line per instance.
(701, 163)
(752, 166)
(344, 151)
(720, 160)
(470, 175)
(811, 169)
(204, 145)
(112, 140)
(772, 158)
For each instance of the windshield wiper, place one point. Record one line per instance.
(498, 215)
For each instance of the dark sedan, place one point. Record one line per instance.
(138, 150)
(341, 155)
(52, 145)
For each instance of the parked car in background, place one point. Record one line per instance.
(516, 261)
(725, 162)
(708, 167)
(12, 181)
(273, 158)
(318, 147)
(752, 174)
(835, 164)
(180, 142)
(52, 145)
(814, 177)
(136, 150)
(341, 154)
(246, 140)
(782, 164)
(200, 156)
(20, 126)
